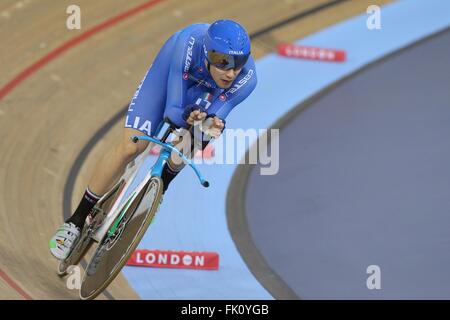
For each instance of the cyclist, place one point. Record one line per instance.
(202, 71)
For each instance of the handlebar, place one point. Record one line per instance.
(169, 146)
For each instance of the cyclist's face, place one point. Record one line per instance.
(224, 78)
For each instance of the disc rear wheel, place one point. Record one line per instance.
(116, 247)
(97, 215)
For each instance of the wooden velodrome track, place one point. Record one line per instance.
(49, 114)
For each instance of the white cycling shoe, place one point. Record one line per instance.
(64, 240)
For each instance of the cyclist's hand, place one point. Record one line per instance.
(196, 115)
(215, 128)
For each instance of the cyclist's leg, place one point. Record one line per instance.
(175, 164)
(107, 169)
(113, 163)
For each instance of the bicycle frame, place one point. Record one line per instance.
(133, 186)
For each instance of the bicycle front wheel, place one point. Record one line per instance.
(115, 249)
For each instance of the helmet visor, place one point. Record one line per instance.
(227, 61)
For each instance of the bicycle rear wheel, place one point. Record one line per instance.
(114, 250)
(85, 242)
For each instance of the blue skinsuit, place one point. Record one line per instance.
(178, 77)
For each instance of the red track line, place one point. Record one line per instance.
(48, 58)
(69, 44)
(14, 285)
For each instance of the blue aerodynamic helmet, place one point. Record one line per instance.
(227, 45)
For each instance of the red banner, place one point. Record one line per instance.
(175, 259)
(311, 53)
